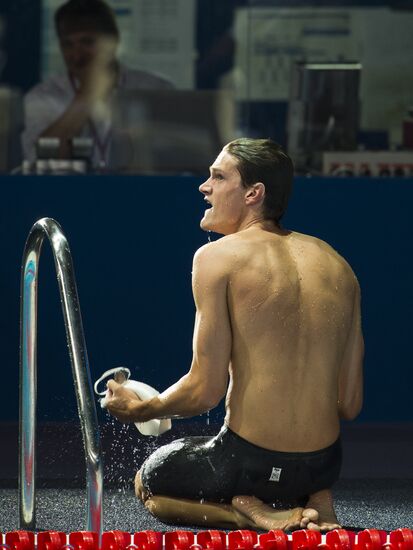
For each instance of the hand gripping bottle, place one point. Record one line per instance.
(143, 391)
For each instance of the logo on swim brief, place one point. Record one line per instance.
(275, 474)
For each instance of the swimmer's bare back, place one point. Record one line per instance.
(297, 346)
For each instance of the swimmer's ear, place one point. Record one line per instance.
(255, 194)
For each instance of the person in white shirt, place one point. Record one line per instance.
(78, 103)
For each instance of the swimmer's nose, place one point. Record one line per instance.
(205, 188)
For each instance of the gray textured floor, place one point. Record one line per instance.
(380, 504)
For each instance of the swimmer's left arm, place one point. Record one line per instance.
(203, 387)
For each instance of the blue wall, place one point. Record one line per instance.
(132, 240)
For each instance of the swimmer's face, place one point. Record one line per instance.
(80, 49)
(226, 195)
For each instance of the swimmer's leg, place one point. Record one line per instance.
(322, 501)
(190, 512)
(181, 511)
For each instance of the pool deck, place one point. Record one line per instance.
(376, 504)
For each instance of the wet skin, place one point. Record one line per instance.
(278, 313)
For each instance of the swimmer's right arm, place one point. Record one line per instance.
(350, 390)
(203, 387)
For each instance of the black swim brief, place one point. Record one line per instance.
(221, 467)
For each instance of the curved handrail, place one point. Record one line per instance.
(47, 227)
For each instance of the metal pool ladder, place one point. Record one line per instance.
(47, 227)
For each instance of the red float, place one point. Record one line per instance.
(242, 539)
(305, 540)
(84, 540)
(20, 540)
(371, 539)
(274, 540)
(51, 540)
(340, 539)
(179, 540)
(212, 540)
(148, 540)
(115, 540)
(402, 539)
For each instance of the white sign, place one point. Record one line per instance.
(270, 40)
(163, 39)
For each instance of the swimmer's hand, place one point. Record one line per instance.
(122, 403)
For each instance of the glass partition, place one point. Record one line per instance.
(159, 86)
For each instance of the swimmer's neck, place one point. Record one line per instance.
(263, 225)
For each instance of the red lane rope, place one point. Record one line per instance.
(339, 539)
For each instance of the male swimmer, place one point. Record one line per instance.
(278, 333)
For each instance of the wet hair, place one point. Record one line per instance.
(263, 160)
(76, 15)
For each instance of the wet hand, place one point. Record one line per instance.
(122, 403)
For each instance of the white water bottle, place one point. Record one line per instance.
(143, 391)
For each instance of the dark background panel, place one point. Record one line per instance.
(21, 42)
(133, 239)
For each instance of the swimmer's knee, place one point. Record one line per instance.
(156, 506)
(152, 506)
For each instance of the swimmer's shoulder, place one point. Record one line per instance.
(219, 255)
(319, 250)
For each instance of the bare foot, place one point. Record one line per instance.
(310, 515)
(323, 503)
(265, 517)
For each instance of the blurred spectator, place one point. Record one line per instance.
(78, 103)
